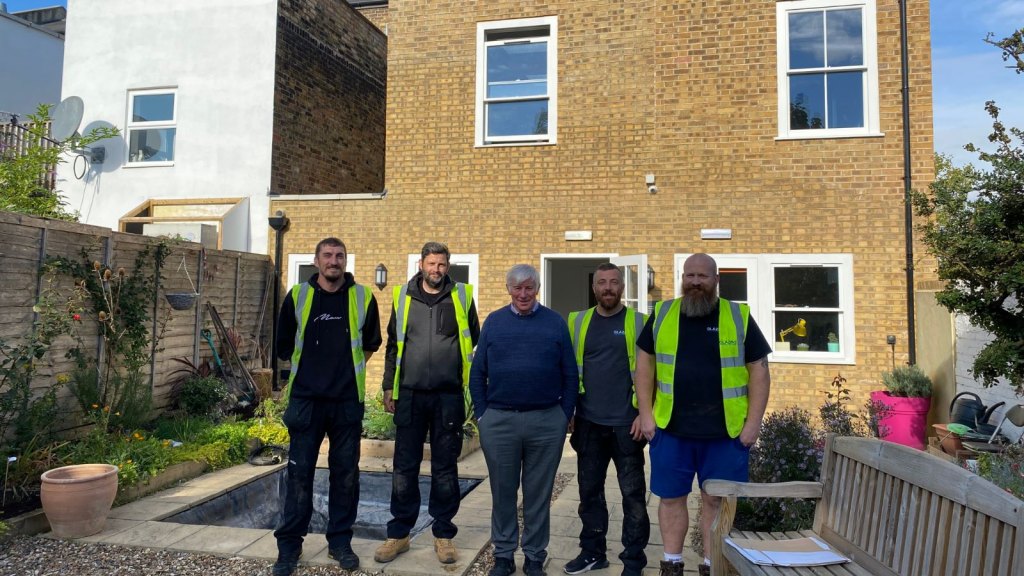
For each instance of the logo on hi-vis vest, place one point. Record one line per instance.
(619, 332)
(728, 342)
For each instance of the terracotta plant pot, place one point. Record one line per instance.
(77, 498)
(906, 419)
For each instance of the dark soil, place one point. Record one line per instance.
(18, 505)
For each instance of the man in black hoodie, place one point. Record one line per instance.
(329, 327)
(431, 336)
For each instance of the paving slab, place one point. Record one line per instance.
(113, 526)
(152, 534)
(148, 509)
(219, 540)
(266, 547)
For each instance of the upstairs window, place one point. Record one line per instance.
(151, 127)
(828, 72)
(516, 81)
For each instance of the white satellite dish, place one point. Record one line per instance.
(67, 117)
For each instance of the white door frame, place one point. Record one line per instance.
(543, 296)
(296, 260)
(640, 261)
(471, 260)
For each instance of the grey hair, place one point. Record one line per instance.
(521, 273)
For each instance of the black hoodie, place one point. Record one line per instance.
(325, 370)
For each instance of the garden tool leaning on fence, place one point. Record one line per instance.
(241, 386)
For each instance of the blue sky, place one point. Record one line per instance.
(966, 71)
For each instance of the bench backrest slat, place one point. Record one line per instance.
(902, 511)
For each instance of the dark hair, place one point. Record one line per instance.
(607, 266)
(330, 241)
(435, 248)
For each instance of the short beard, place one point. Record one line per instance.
(697, 303)
(431, 283)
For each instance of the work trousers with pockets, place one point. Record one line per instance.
(522, 447)
(308, 421)
(596, 445)
(442, 415)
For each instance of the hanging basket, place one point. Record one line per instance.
(181, 300)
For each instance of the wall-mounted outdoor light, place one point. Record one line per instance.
(650, 277)
(380, 276)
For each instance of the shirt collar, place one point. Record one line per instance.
(536, 305)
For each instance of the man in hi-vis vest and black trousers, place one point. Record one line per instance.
(329, 327)
(606, 426)
(431, 336)
(702, 386)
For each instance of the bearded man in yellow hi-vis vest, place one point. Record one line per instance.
(431, 336)
(329, 327)
(702, 386)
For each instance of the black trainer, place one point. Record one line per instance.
(285, 565)
(534, 568)
(585, 562)
(346, 558)
(502, 567)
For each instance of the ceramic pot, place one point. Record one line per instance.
(905, 422)
(77, 498)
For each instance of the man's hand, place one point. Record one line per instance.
(751, 430)
(635, 430)
(389, 402)
(647, 426)
(572, 424)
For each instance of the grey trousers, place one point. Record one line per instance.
(522, 447)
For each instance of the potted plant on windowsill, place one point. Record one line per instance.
(833, 342)
(907, 399)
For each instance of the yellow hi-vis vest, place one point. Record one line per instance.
(732, 333)
(358, 304)
(462, 297)
(580, 321)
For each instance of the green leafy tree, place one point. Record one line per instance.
(1012, 47)
(23, 174)
(976, 231)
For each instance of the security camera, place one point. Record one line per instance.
(278, 221)
(652, 189)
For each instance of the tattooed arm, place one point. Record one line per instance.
(758, 386)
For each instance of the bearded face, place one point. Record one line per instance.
(700, 286)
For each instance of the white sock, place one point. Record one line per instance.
(673, 558)
(707, 561)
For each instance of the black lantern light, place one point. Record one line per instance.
(380, 276)
(650, 277)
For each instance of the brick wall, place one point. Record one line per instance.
(686, 92)
(378, 15)
(328, 100)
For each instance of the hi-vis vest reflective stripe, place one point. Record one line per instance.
(462, 297)
(358, 304)
(580, 321)
(732, 333)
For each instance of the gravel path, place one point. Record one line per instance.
(36, 556)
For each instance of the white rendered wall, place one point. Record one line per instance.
(30, 66)
(969, 341)
(219, 55)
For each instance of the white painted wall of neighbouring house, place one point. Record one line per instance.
(969, 341)
(219, 56)
(30, 66)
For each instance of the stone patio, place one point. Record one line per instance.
(140, 524)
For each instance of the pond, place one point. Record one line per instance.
(258, 504)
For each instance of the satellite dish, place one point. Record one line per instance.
(67, 117)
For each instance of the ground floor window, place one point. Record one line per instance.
(802, 302)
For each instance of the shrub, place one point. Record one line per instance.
(377, 423)
(270, 433)
(216, 454)
(201, 396)
(234, 434)
(836, 417)
(908, 382)
(1004, 469)
(181, 428)
(788, 449)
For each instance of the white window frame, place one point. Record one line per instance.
(870, 96)
(482, 28)
(761, 294)
(470, 260)
(131, 125)
(296, 260)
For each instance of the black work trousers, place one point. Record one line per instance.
(417, 413)
(596, 445)
(308, 421)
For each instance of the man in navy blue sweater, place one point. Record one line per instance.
(524, 384)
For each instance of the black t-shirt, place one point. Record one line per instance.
(609, 388)
(697, 410)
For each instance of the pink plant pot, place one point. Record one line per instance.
(906, 420)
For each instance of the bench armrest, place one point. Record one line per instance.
(721, 525)
(726, 488)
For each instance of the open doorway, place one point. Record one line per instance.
(566, 279)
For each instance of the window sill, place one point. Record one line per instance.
(797, 357)
(830, 136)
(148, 164)
(513, 144)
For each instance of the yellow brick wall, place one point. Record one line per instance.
(686, 91)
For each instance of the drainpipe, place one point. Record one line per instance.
(908, 221)
(279, 222)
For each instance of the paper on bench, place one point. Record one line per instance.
(793, 552)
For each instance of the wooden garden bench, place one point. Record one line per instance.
(891, 510)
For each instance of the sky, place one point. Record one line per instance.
(966, 72)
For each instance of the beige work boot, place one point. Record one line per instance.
(445, 549)
(390, 549)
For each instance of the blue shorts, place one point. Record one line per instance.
(675, 460)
